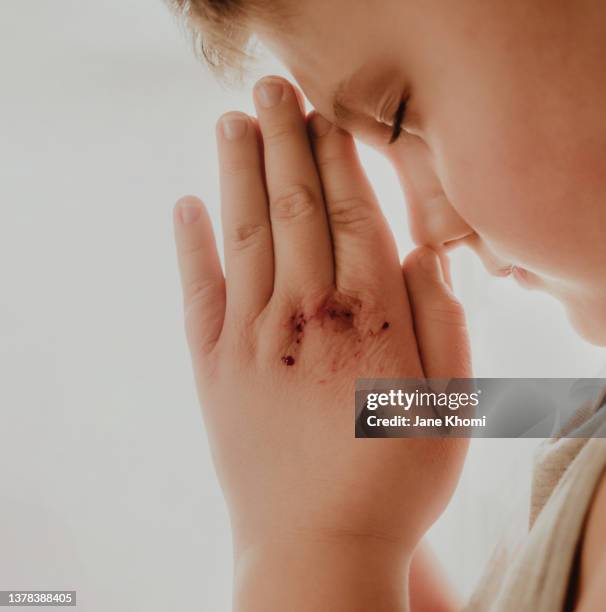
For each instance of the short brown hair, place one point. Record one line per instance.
(221, 30)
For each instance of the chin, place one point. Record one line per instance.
(589, 324)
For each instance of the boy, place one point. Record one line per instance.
(492, 114)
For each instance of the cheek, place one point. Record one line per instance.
(519, 190)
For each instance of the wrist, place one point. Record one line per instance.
(341, 573)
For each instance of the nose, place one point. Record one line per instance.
(433, 220)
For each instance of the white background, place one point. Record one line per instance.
(106, 482)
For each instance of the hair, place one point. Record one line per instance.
(221, 30)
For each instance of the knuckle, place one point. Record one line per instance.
(336, 151)
(248, 235)
(202, 315)
(236, 165)
(201, 339)
(449, 311)
(297, 203)
(279, 131)
(351, 214)
(198, 293)
(191, 250)
(327, 161)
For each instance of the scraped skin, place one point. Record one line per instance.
(313, 297)
(505, 150)
(337, 314)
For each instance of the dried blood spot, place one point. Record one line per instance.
(385, 325)
(333, 313)
(340, 316)
(288, 360)
(299, 321)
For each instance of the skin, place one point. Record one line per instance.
(310, 258)
(592, 564)
(504, 152)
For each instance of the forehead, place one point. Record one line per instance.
(334, 50)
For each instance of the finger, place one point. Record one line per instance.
(201, 275)
(439, 319)
(445, 265)
(246, 226)
(363, 245)
(259, 138)
(300, 98)
(302, 246)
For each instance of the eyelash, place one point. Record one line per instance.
(398, 119)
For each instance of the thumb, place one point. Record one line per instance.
(438, 317)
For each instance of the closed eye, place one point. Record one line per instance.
(397, 121)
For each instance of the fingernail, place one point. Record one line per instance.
(319, 125)
(269, 93)
(234, 126)
(190, 212)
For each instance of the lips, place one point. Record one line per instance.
(502, 271)
(493, 264)
(524, 278)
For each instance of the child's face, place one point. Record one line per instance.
(506, 143)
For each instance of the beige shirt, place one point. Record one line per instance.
(537, 576)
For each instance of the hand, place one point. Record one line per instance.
(313, 297)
